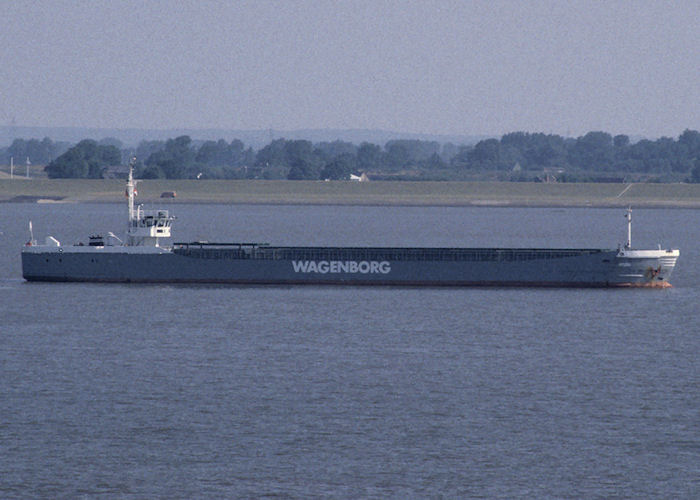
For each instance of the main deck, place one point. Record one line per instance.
(261, 251)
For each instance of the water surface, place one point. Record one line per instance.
(163, 391)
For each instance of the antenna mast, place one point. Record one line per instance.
(31, 234)
(628, 216)
(130, 185)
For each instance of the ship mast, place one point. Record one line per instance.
(628, 216)
(130, 186)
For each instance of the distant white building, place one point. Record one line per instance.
(359, 178)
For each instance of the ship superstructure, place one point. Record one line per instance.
(145, 227)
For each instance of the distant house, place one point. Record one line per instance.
(551, 174)
(359, 178)
(168, 194)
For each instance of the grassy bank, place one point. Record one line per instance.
(371, 193)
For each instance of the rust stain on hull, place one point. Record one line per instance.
(649, 284)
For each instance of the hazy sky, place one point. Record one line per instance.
(442, 67)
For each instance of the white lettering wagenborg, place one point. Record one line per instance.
(341, 266)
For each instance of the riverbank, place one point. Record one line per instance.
(355, 193)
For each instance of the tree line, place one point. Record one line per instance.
(517, 156)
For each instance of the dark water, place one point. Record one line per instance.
(173, 391)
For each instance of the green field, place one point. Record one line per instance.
(355, 193)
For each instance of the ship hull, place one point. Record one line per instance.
(264, 266)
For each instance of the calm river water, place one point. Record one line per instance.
(306, 392)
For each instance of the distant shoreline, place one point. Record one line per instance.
(482, 204)
(345, 193)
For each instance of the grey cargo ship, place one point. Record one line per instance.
(142, 259)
